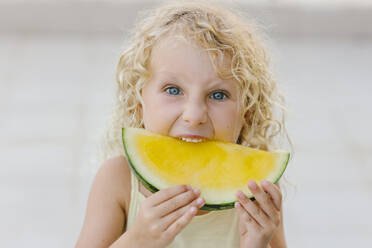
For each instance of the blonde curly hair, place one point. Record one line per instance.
(223, 33)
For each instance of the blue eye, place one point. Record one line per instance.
(172, 90)
(218, 95)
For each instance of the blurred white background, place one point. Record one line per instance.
(57, 83)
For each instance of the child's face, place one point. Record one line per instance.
(184, 95)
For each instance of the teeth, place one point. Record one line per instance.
(191, 140)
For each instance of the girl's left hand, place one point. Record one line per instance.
(258, 220)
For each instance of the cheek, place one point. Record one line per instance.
(159, 114)
(227, 123)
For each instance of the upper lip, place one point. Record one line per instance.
(191, 136)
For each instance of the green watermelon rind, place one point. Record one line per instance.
(209, 207)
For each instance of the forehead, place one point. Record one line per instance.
(179, 54)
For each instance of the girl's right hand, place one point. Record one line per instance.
(163, 215)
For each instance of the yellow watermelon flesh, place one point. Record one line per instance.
(217, 168)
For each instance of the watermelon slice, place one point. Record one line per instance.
(217, 168)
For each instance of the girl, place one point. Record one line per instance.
(191, 70)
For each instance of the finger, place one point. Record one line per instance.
(243, 218)
(176, 202)
(274, 192)
(167, 220)
(254, 210)
(246, 222)
(181, 222)
(263, 199)
(168, 193)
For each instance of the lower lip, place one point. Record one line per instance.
(194, 137)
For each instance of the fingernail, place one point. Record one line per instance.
(265, 183)
(199, 201)
(240, 195)
(196, 191)
(252, 184)
(188, 187)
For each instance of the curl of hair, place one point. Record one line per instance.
(223, 34)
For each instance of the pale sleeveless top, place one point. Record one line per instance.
(215, 229)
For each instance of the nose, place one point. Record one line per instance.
(195, 113)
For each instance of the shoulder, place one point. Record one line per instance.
(115, 172)
(107, 204)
